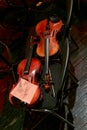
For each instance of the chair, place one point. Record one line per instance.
(51, 104)
(6, 66)
(69, 22)
(67, 15)
(11, 41)
(60, 72)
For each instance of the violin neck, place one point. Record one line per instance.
(47, 42)
(47, 45)
(29, 57)
(48, 25)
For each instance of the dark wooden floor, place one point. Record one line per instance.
(12, 118)
(79, 60)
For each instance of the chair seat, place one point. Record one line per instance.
(48, 100)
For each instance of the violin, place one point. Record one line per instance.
(55, 27)
(27, 90)
(48, 83)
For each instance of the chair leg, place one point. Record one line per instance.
(71, 74)
(76, 45)
(13, 74)
(78, 4)
(73, 78)
(11, 66)
(56, 115)
(63, 119)
(68, 116)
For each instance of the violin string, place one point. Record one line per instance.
(52, 86)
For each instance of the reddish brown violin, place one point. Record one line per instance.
(27, 90)
(54, 29)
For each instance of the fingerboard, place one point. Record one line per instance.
(29, 57)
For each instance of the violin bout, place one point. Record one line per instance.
(26, 92)
(54, 46)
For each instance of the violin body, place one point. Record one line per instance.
(35, 68)
(54, 29)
